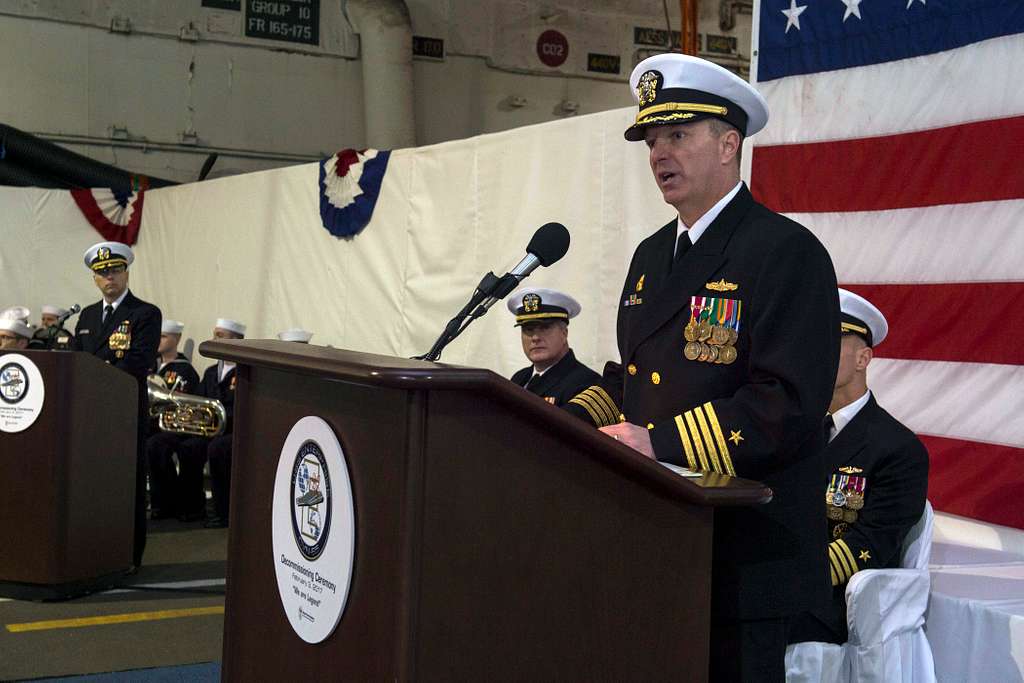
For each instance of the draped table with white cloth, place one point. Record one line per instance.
(975, 620)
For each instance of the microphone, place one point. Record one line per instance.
(75, 308)
(548, 244)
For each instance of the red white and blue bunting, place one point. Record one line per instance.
(116, 215)
(349, 185)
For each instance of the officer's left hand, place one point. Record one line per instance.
(634, 436)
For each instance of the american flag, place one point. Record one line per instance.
(897, 136)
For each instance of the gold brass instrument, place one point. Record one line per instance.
(183, 413)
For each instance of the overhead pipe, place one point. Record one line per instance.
(385, 46)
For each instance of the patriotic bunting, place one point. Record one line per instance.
(116, 215)
(349, 185)
(895, 136)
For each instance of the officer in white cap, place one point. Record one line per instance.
(218, 383)
(124, 331)
(728, 334)
(295, 334)
(877, 474)
(542, 316)
(48, 335)
(21, 313)
(179, 376)
(14, 334)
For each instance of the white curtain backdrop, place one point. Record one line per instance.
(252, 247)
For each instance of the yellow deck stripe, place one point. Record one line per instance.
(698, 444)
(709, 443)
(687, 446)
(114, 619)
(723, 449)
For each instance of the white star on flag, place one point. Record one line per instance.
(853, 8)
(911, 2)
(793, 15)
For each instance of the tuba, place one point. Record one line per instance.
(182, 413)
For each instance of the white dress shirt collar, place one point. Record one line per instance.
(702, 223)
(844, 415)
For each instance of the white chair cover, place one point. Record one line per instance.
(885, 615)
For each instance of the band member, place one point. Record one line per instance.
(14, 334)
(50, 335)
(728, 333)
(218, 383)
(124, 331)
(542, 316)
(295, 334)
(877, 474)
(181, 378)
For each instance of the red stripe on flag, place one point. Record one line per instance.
(972, 162)
(971, 322)
(977, 480)
(112, 232)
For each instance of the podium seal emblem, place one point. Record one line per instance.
(21, 392)
(313, 529)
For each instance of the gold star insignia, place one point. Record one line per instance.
(736, 437)
(865, 556)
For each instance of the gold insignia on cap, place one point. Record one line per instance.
(647, 87)
(850, 470)
(103, 253)
(531, 303)
(722, 286)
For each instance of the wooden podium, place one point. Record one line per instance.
(497, 538)
(67, 483)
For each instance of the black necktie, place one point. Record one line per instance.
(683, 245)
(533, 381)
(107, 310)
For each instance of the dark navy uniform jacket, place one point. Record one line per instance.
(139, 320)
(893, 464)
(220, 390)
(181, 371)
(561, 382)
(759, 417)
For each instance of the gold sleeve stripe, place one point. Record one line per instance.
(613, 409)
(606, 408)
(835, 577)
(723, 449)
(578, 400)
(684, 436)
(603, 417)
(842, 571)
(696, 440)
(709, 444)
(849, 555)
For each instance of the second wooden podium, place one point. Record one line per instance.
(496, 538)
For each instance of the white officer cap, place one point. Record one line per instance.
(172, 327)
(49, 309)
(108, 254)
(16, 313)
(861, 317)
(675, 88)
(16, 326)
(230, 325)
(537, 303)
(295, 334)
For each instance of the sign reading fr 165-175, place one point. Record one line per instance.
(295, 21)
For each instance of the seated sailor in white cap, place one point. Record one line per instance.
(124, 331)
(179, 375)
(728, 335)
(876, 469)
(542, 316)
(14, 334)
(50, 335)
(218, 383)
(295, 334)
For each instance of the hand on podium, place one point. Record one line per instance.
(634, 436)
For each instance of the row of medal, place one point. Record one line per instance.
(844, 496)
(713, 329)
(121, 339)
